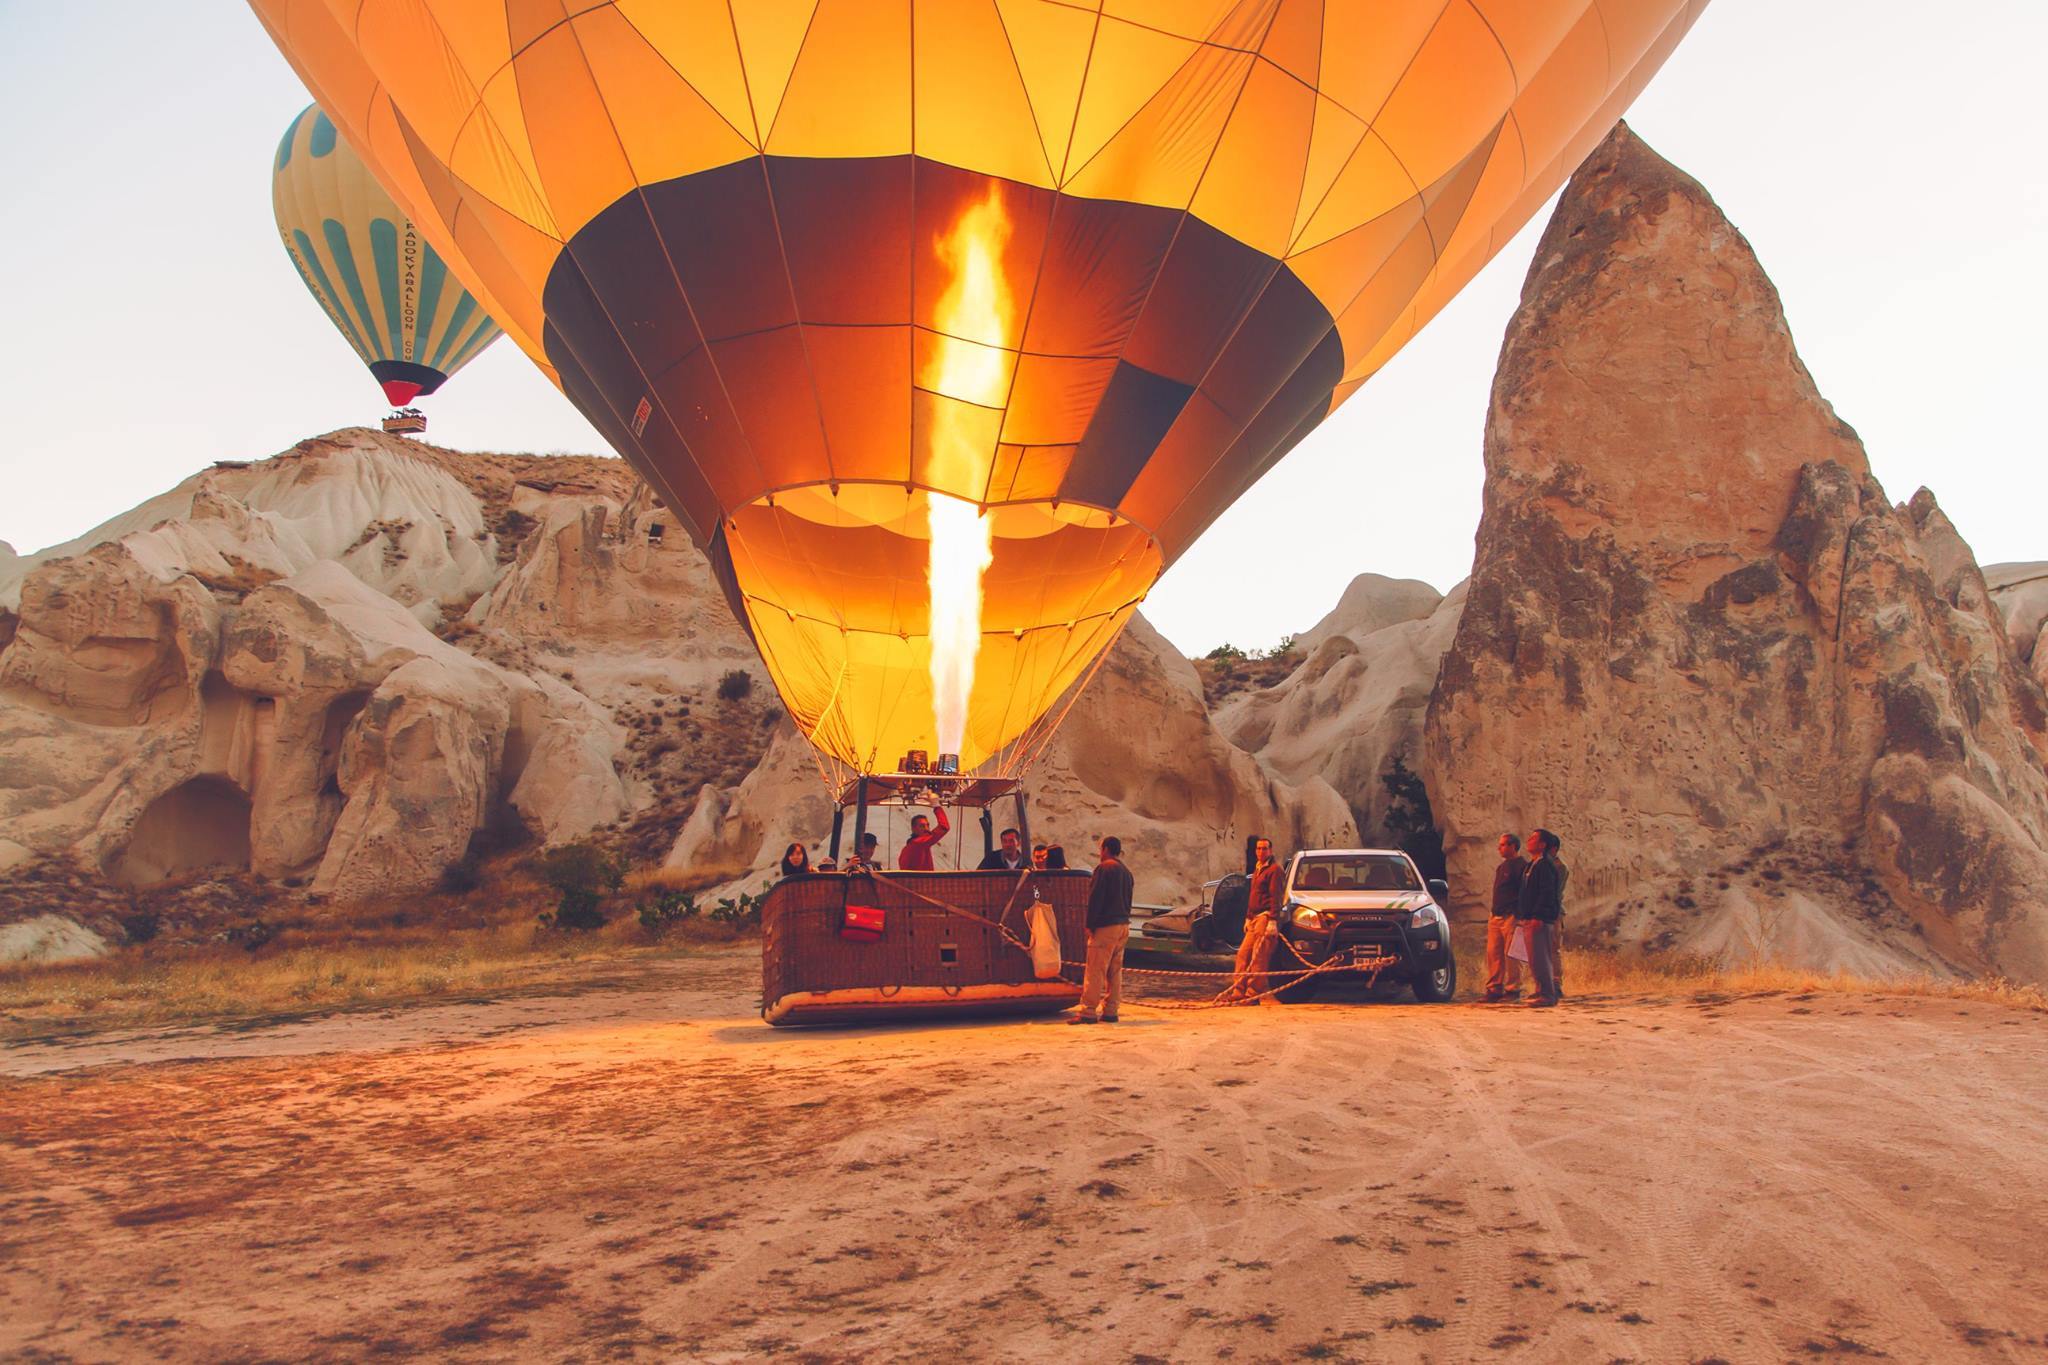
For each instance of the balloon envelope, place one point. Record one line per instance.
(810, 263)
(388, 292)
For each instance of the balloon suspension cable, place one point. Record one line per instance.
(1038, 736)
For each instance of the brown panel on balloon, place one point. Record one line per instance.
(1099, 262)
(1190, 448)
(1134, 413)
(1269, 346)
(720, 231)
(1208, 284)
(768, 379)
(638, 290)
(845, 227)
(1285, 418)
(1018, 215)
(691, 395)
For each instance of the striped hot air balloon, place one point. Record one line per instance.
(388, 292)
(945, 321)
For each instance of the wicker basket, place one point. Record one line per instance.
(929, 961)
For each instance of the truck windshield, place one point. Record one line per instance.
(1355, 872)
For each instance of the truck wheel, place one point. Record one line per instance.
(1434, 988)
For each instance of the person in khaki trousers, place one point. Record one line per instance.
(1109, 928)
(1503, 977)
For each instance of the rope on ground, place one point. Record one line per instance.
(1224, 999)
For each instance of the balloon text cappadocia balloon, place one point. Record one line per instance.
(946, 325)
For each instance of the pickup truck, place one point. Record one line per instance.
(1370, 906)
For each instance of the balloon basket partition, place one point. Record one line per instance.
(929, 962)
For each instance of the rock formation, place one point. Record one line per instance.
(240, 675)
(1761, 704)
(1354, 706)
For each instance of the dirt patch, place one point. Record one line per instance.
(540, 1175)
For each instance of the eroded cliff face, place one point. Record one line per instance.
(334, 669)
(1761, 704)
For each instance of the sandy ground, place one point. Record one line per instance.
(650, 1172)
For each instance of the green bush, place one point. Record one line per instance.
(735, 685)
(664, 908)
(582, 875)
(1411, 825)
(744, 910)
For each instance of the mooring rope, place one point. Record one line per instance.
(1224, 999)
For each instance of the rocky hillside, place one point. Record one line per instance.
(344, 670)
(339, 669)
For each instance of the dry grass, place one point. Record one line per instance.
(1599, 971)
(1685, 975)
(324, 966)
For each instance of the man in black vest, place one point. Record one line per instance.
(1537, 912)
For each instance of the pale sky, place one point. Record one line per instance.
(1883, 157)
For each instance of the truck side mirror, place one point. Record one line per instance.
(1439, 890)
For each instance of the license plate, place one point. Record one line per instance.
(1372, 952)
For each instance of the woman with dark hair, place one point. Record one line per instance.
(795, 861)
(1055, 858)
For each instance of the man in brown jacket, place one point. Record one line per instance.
(1110, 892)
(1261, 925)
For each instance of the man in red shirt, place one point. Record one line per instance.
(1261, 925)
(924, 836)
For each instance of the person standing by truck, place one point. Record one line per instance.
(1261, 925)
(1110, 891)
(1536, 913)
(1503, 973)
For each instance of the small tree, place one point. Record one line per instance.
(582, 875)
(1410, 823)
(736, 685)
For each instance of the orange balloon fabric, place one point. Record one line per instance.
(808, 263)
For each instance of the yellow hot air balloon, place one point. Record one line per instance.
(385, 289)
(946, 325)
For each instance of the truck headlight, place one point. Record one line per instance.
(1308, 917)
(1428, 916)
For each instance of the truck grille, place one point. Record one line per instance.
(1352, 933)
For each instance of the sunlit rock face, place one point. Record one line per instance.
(238, 676)
(1769, 712)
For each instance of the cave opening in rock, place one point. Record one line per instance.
(197, 826)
